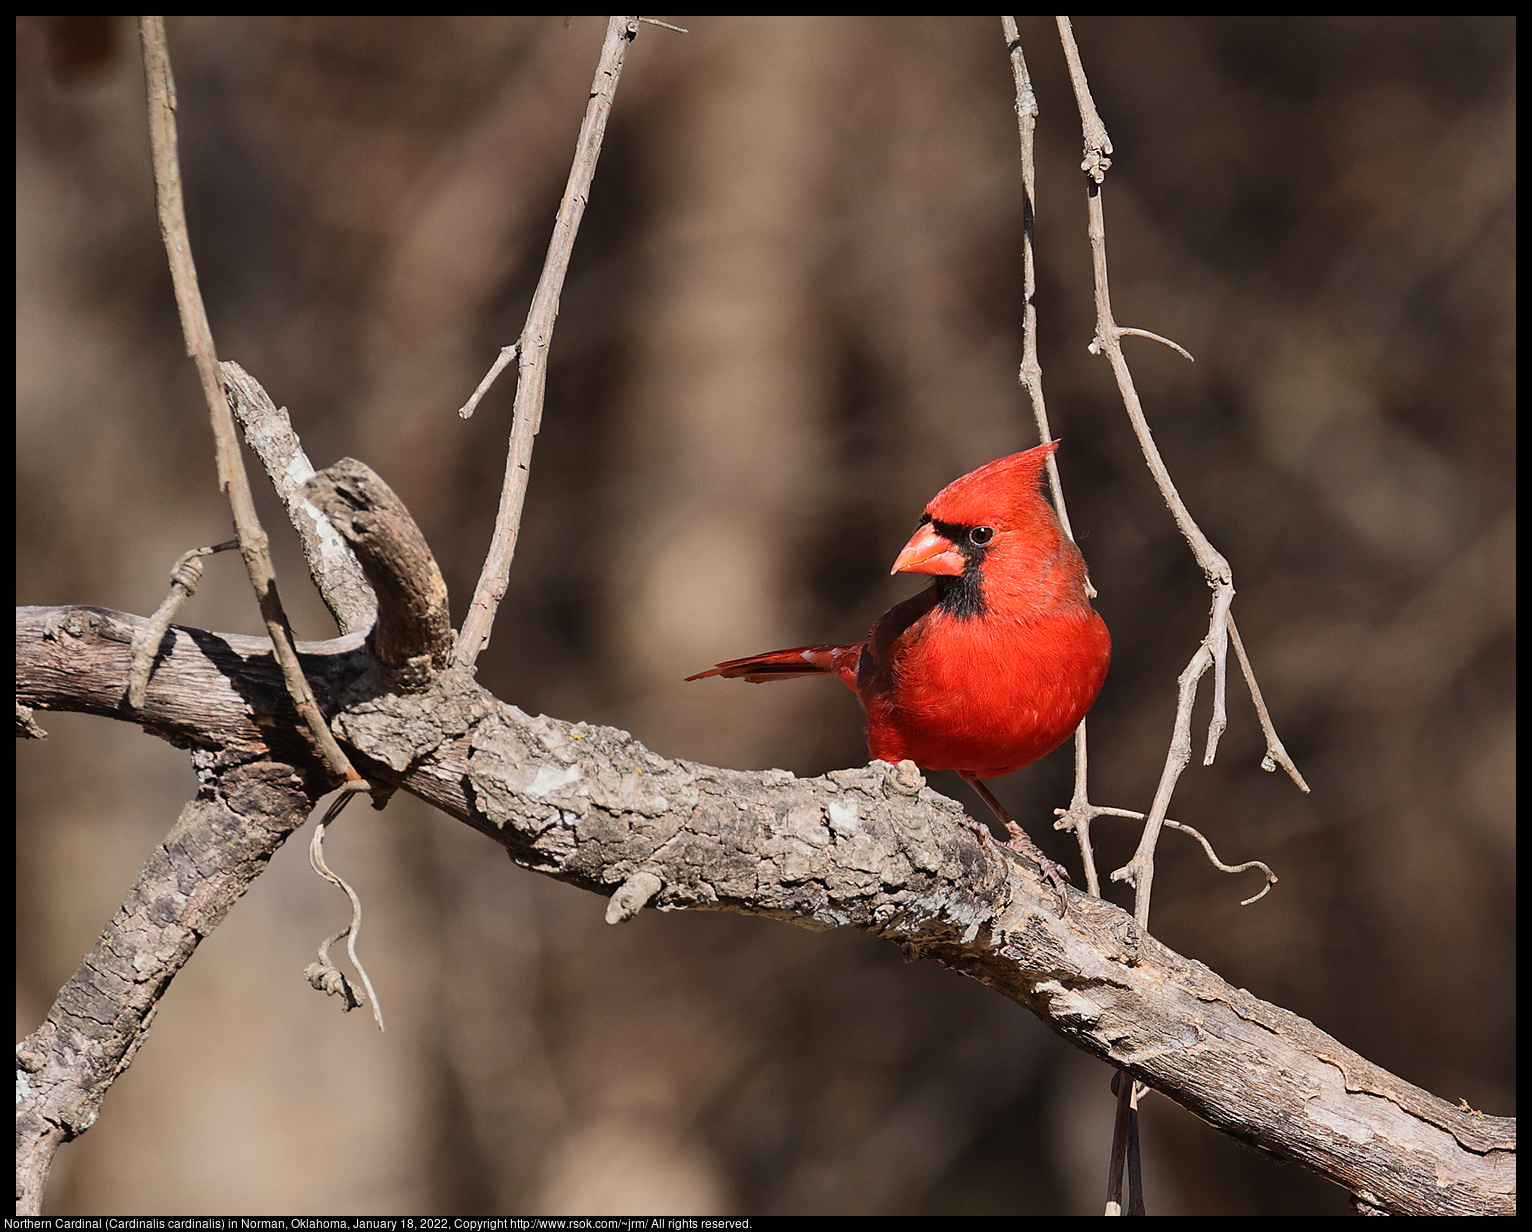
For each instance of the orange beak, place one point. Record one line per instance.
(930, 552)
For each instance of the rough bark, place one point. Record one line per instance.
(869, 847)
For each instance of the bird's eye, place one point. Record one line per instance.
(981, 535)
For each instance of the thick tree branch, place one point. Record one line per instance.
(269, 432)
(861, 847)
(412, 639)
(221, 842)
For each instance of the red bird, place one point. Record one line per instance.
(991, 667)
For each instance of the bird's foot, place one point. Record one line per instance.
(1054, 873)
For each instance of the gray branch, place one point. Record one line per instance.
(860, 847)
(221, 842)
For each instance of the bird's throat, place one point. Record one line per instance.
(962, 597)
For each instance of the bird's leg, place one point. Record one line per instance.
(1054, 873)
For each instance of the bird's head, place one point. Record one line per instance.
(985, 508)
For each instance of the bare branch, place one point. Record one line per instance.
(1207, 847)
(254, 546)
(591, 806)
(412, 638)
(185, 574)
(1144, 333)
(269, 433)
(1276, 754)
(27, 728)
(535, 338)
(502, 361)
(1213, 652)
(221, 842)
(1077, 817)
(1031, 374)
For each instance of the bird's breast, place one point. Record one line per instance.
(988, 696)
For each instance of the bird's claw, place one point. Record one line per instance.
(1057, 877)
(1054, 873)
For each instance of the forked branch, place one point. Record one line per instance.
(532, 349)
(1213, 651)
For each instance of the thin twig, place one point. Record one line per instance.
(1077, 817)
(502, 361)
(1213, 652)
(253, 544)
(535, 337)
(1207, 847)
(1276, 754)
(1125, 1148)
(1136, 1091)
(1125, 330)
(185, 574)
(324, 975)
(1031, 374)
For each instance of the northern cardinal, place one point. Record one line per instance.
(993, 665)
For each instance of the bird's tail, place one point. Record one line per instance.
(786, 664)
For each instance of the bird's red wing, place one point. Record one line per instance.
(789, 664)
(895, 623)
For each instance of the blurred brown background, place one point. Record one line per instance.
(793, 314)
